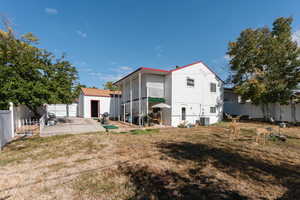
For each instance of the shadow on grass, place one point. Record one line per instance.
(236, 165)
(165, 185)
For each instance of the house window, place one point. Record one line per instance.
(213, 87)
(183, 113)
(212, 109)
(190, 82)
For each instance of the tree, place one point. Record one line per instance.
(110, 86)
(77, 90)
(32, 76)
(265, 64)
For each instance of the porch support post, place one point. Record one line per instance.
(131, 101)
(140, 96)
(123, 98)
(124, 112)
(119, 107)
(147, 104)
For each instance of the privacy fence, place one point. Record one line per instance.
(19, 121)
(6, 126)
(289, 113)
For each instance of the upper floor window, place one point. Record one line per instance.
(190, 82)
(213, 87)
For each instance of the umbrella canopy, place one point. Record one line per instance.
(161, 105)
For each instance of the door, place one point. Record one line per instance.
(183, 114)
(94, 108)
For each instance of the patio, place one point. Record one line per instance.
(72, 125)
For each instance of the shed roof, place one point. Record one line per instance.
(98, 92)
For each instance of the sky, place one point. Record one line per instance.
(106, 40)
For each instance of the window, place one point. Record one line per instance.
(212, 109)
(190, 82)
(183, 113)
(213, 87)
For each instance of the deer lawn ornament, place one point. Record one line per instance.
(261, 134)
(234, 129)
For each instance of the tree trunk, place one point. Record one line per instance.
(35, 111)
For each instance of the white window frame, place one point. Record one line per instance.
(190, 79)
(214, 109)
(211, 87)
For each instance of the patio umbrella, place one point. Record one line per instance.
(161, 105)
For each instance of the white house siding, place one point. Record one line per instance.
(103, 101)
(198, 99)
(155, 85)
(167, 113)
(107, 104)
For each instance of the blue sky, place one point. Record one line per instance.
(107, 39)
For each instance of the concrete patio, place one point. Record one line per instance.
(72, 125)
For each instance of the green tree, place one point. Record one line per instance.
(77, 90)
(265, 64)
(32, 76)
(110, 86)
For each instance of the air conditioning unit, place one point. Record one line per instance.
(204, 121)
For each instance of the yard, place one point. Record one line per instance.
(196, 163)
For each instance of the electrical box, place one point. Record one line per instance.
(204, 121)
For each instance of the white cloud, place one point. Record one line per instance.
(51, 11)
(82, 34)
(159, 50)
(125, 68)
(105, 77)
(296, 37)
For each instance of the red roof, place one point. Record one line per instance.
(98, 92)
(169, 71)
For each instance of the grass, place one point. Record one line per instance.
(138, 131)
(144, 131)
(191, 163)
(43, 148)
(112, 183)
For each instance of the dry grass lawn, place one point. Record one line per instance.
(197, 163)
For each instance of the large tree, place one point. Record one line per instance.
(32, 76)
(265, 63)
(110, 86)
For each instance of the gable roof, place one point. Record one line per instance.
(169, 71)
(98, 92)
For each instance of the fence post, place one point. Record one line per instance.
(11, 108)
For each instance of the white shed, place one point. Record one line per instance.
(93, 102)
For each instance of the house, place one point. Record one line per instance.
(189, 93)
(93, 102)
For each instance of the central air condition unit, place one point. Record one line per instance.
(204, 121)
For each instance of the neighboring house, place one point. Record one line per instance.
(235, 106)
(193, 91)
(94, 102)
